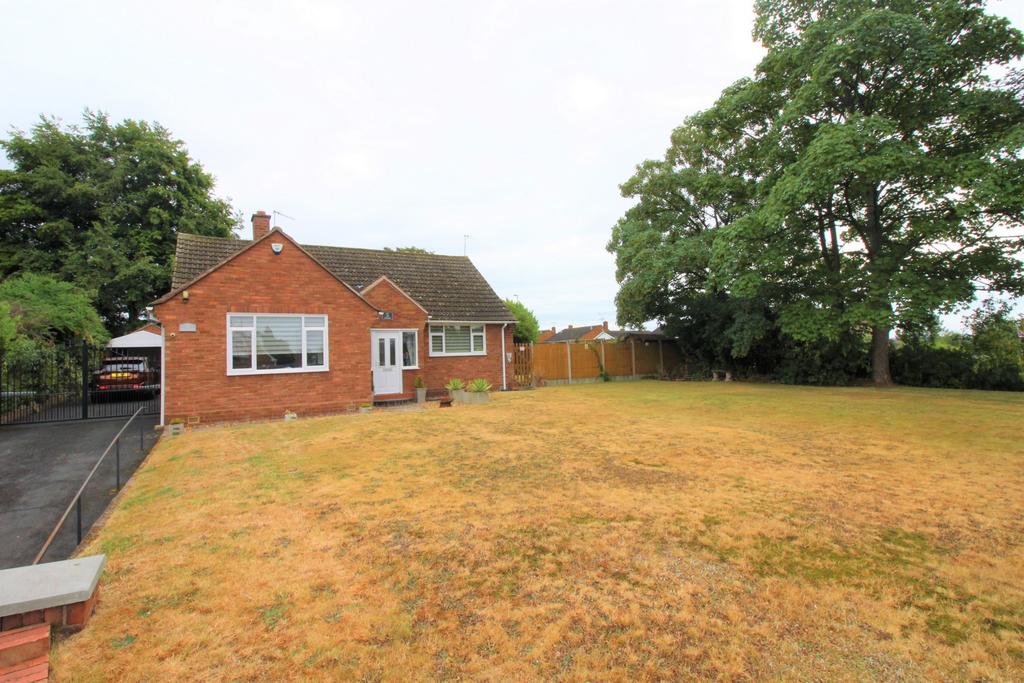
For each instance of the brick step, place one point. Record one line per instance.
(35, 669)
(24, 653)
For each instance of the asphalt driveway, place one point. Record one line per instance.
(41, 468)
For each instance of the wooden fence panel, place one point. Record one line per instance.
(550, 362)
(618, 360)
(673, 356)
(586, 360)
(648, 361)
(522, 365)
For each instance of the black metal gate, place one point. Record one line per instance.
(78, 382)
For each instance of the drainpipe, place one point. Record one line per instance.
(504, 361)
(163, 369)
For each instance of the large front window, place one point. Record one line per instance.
(272, 343)
(457, 340)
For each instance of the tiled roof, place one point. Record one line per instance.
(570, 334)
(448, 287)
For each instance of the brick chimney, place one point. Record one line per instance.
(260, 224)
(604, 325)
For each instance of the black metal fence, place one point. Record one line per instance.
(112, 470)
(77, 382)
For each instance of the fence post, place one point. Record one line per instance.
(85, 380)
(632, 355)
(568, 358)
(604, 367)
(661, 359)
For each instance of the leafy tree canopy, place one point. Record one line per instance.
(45, 310)
(867, 177)
(99, 205)
(408, 250)
(527, 328)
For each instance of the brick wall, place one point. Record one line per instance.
(440, 370)
(437, 371)
(196, 383)
(407, 315)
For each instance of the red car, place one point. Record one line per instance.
(128, 373)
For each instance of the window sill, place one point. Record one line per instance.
(456, 355)
(279, 371)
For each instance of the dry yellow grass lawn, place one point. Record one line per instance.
(618, 531)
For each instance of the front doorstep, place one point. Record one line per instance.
(393, 399)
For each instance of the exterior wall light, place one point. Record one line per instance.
(277, 247)
(184, 296)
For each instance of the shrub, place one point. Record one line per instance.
(479, 386)
(924, 365)
(419, 384)
(526, 329)
(455, 384)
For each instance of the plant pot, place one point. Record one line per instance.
(477, 397)
(421, 395)
(458, 395)
(176, 428)
(365, 409)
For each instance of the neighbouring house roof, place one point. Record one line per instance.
(592, 332)
(448, 287)
(571, 334)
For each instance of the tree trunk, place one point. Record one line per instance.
(880, 356)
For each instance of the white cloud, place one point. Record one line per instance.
(404, 123)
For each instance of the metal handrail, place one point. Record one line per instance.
(76, 502)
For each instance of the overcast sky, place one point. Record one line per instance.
(379, 124)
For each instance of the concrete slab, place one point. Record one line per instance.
(25, 589)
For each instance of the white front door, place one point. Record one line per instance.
(387, 361)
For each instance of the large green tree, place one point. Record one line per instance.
(881, 165)
(39, 311)
(99, 205)
(527, 328)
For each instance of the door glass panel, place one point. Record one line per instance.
(392, 340)
(380, 351)
(409, 358)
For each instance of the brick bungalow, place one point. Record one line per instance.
(254, 328)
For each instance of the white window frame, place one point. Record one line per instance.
(277, 371)
(401, 344)
(444, 352)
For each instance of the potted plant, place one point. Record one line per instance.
(456, 389)
(477, 390)
(365, 407)
(421, 390)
